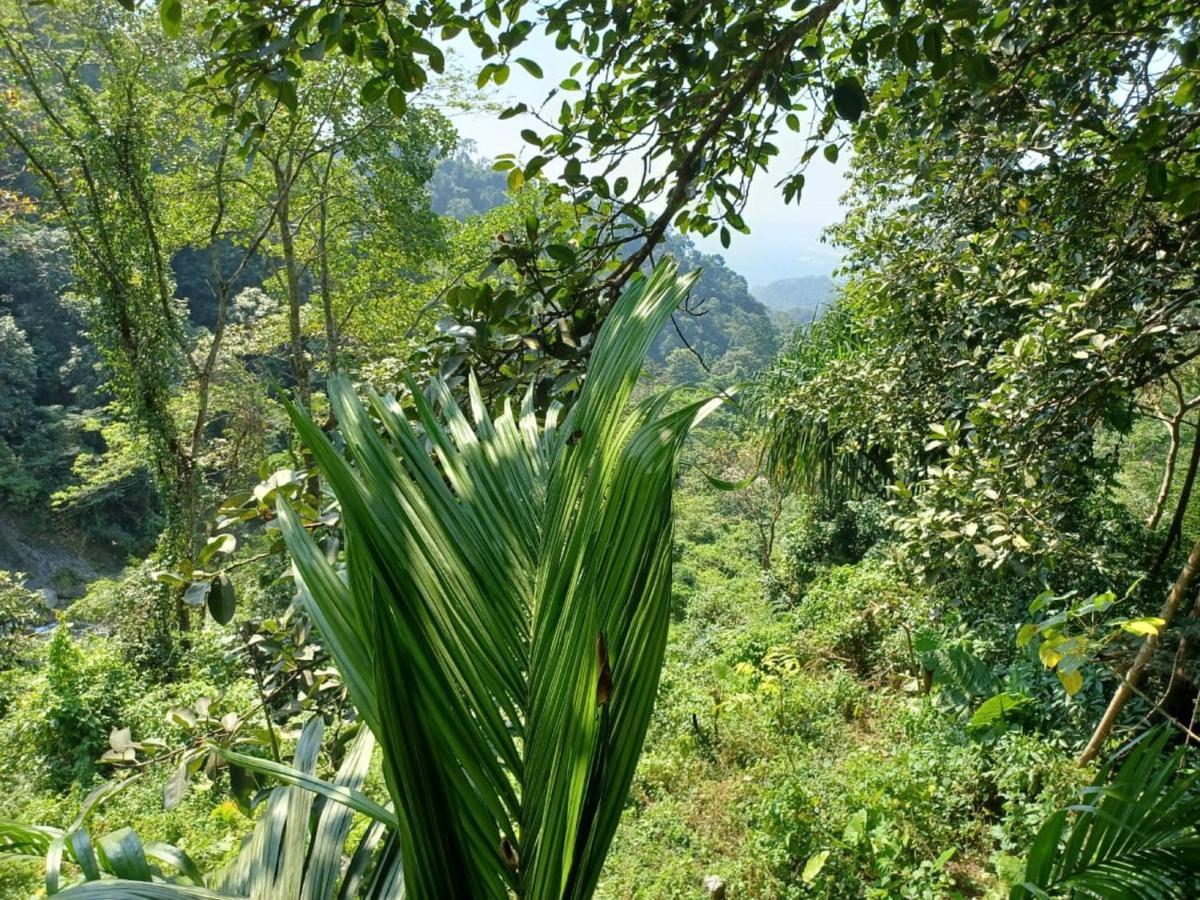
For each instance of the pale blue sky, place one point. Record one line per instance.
(785, 240)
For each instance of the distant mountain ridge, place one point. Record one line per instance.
(797, 300)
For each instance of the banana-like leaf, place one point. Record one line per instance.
(1135, 835)
(503, 616)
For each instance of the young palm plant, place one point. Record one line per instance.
(277, 860)
(1135, 835)
(502, 615)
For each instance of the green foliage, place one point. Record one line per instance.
(276, 860)
(714, 574)
(889, 830)
(94, 161)
(34, 274)
(993, 334)
(87, 687)
(824, 534)
(556, 275)
(765, 756)
(145, 735)
(1030, 779)
(851, 716)
(860, 615)
(1133, 835)
(184, 376)
(137, 610)
(16, 375)
(111, 482)
(535, 523)
(815, 435)
(47, 366)
(19, 611)
(463, 186)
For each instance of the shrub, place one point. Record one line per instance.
(861, 615)
(86, 690)
(1031, 778)
(19, 611)
(823, 535)
(884, 819)
(139, 611)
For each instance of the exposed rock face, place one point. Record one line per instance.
(714, 887)
(50, 561)
(49, 597)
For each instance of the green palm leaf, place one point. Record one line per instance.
(139, 890)
(1134, 836)
(278, 861)
(808, 443)
(500, 624)
(503, 614)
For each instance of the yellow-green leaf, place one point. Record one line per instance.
(1072, 681)
(1147, 626)
(1049, 655)
(813, 867)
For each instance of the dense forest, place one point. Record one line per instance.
(385, 515)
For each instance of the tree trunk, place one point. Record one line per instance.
(291, 270)
(182, 537)
(331, 336)
(1182, 681)
(1185, 495)
(1133, 675)
(1164, 489)
(300, 370)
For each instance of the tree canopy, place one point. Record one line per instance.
(333, 438)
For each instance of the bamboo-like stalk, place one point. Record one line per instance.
(1128, 685)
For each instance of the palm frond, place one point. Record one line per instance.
(500, 623)
(19, 841)
(1133, 836)
(118, 855)
(504, 611)
(345, 795)
(286, 857)
(139, 890)
(809, 442)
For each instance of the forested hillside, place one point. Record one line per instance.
(797, 301)
(389, 514)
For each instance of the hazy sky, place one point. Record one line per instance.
(784, 240)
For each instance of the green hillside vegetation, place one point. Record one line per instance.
(383, 515)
